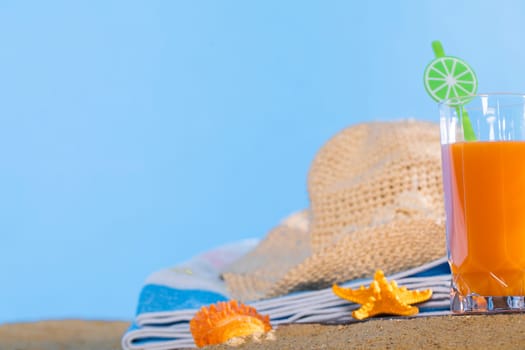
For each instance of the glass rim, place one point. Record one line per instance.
(453, 102)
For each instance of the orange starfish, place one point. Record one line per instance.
(226, 320)
(382, 297)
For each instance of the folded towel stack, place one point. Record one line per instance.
(171, 297)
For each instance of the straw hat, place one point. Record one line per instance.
(376, 202)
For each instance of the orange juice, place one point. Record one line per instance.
(485, 203)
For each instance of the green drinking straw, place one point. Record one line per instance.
(450, 77)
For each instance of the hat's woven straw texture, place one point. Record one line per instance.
(376, 202)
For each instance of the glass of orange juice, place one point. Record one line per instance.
(483, 155)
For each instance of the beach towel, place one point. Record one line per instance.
(171, 297)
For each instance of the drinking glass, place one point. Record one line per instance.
(483, 157)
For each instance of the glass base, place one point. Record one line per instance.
(473, 303)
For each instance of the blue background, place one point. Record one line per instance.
(136, 134)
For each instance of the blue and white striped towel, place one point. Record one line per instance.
(171, 297)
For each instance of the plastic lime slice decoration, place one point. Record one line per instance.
(450, 77)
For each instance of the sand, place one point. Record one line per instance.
(504, 331)
(443, 332)
(62, 335)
